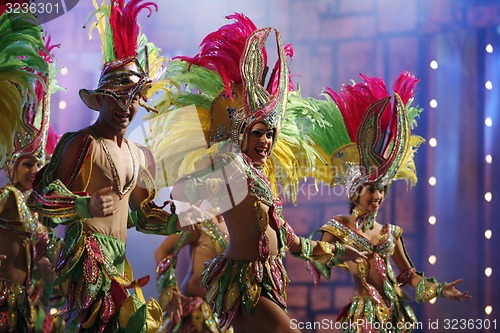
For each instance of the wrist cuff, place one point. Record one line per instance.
(440, 288)
(82, 207)
(305, 249)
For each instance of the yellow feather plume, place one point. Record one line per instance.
(11, 107)
(175, 155)
(407, 170)
(100, 23)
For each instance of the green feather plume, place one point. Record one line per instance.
(332, 137)
(20, 61)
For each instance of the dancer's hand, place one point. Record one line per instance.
(176, 306)
(449, 291)
(2, 257)
(102, 204)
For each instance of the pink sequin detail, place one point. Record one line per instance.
(94, 249)
(91, 270)
(276, 274)
(108, 308)
(263, 246)
(380, 264)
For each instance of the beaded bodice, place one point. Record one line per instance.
(217, 237)
(384, 247)
(117, 182)
(117, 187)
(260, 188)
(381, 253)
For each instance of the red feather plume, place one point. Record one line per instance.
(354, 100)
(221, 50)
(123, 21)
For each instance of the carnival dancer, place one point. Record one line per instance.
(374, 148)
(241, 121)
(95, 176)
(25, 243)
(185, 308)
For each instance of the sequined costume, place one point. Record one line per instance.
(386, 307)
(232, 284)
(196, 312)
(225, 82)
(92, 260)
(26, 83)
(373, 147)
(19, 302)
(91, 264)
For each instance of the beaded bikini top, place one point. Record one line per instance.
(383, 247)
(381, 252)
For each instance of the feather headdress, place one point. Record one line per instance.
(35, 138)
(225, 84)
(22, 88)
(122, 73)
(372, 138)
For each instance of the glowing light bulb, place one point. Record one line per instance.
(489, 159)
(488, 196)
(434, 64)
(433, 142)
(432, 181)
(488, 271)
(488, 122)
(489, 48)
(433, 103)
(62, 105)
(488, 309)
(432, 259)
(432, 220)
(488, 85)
(488, 233)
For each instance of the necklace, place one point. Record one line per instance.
(116, 177)
(364, 222)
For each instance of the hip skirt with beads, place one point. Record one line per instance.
(232, 284)
(96, 273)
(366, 315)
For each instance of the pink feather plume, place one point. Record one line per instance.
(221, 50)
